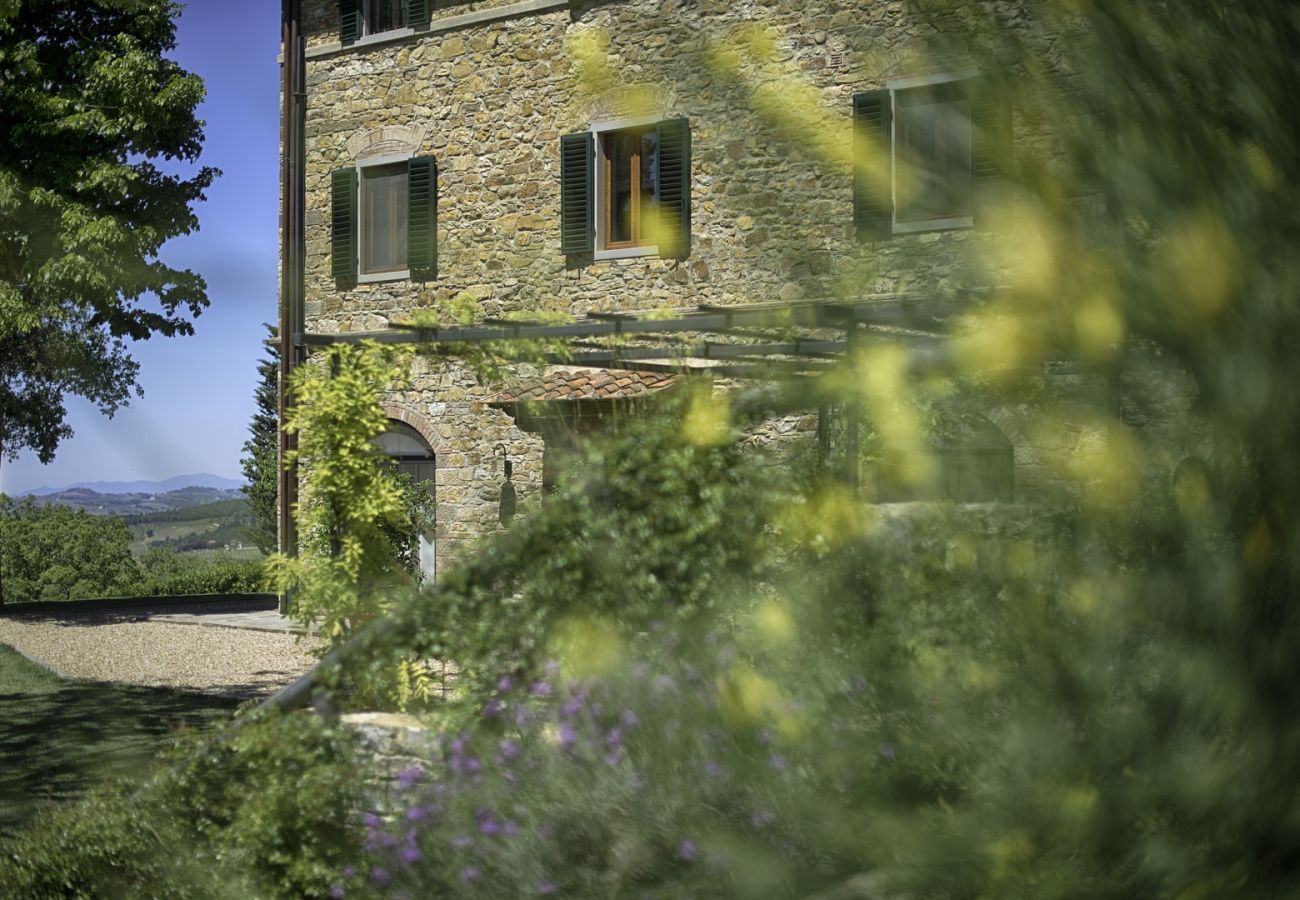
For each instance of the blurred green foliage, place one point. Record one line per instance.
(1090, 694)
(262, 813)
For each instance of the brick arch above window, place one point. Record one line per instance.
(420, 422)
(390, 140)
(627, 101)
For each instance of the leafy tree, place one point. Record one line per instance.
(89, 109)
(261, 449)
(54, 552)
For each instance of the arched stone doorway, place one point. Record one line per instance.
(413, 456)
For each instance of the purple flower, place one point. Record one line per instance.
(613, 757)
(410, 855)
(776, 761)
(489, 827)
(372, 820)
(573, 705)
(470, 873)
(614, 738)
(337, 892)
(509, 828)
(540, 688)
(546, 887)
(888, 750)
(407, 778)
(629, 719)
(522, 717)
(349, 871)
(567, 737)
(508, 749)
(416, 813)
(492, 708)
(686, 850)
(380, 875)
(472, 764)
(505, 683)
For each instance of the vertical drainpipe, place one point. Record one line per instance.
(292, 250)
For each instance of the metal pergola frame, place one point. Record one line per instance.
(914, 321)
(751, 351)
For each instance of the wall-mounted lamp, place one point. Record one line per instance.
(506, 509)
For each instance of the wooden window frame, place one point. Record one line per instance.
(603, 190)
(903, 85)
(364, 277)
(369, 15)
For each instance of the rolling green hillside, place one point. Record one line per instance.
(207, 526)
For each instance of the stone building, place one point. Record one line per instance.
(579, 156)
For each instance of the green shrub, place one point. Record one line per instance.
(263, 814)
(53, 552)
(110, 844)
(165, 572)
(275, 800)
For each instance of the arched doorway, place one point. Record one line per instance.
(413, 456)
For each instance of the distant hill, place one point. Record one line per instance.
(203, 480)
(139, 503)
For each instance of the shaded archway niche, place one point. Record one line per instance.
(409, 442)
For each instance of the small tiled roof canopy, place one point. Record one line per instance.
(587, 384)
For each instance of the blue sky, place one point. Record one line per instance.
(199, 390)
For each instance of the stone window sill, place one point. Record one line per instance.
(625, 253)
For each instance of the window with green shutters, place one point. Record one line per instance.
(627, 190)
(384, 221)
(924, 150)
(576, 229)
(422, 217)
(358, 18)
(343, 225)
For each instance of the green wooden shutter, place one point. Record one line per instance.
(349, 20)
(990, 136)
(422, 217)
(675, 186)
(873, 185)
(343, 225)
(415, 13)
(577, 228)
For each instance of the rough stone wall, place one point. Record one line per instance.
(772, 181)
(766, 85)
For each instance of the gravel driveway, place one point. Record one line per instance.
(125, 646)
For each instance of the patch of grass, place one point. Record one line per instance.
(58, 737)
